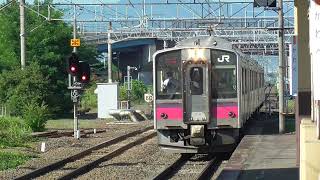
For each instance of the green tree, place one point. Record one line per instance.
(47, 44)
(19, 87)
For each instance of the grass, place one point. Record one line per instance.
(14, 132)
(68, 124)
(10, 160)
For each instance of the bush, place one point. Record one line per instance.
(123, 93)
(18, 87)
(36, 116)
(89, 98)
(13, 132)
(137, 92)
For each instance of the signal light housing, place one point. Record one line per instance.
(73, 64)
(84, 72)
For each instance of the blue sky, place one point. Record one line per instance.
(169, 10)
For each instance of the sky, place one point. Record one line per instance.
(115, 1)
(169, 10)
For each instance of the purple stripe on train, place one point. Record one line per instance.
(176, 113)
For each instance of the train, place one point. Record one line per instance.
(204, 92)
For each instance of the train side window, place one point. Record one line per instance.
(249, 80)
(255, 80)
(258, 80)
(243, 81)
(261, 85)
(252, 80)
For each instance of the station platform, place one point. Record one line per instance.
(263, 154)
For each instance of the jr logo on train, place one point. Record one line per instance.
(204, 93)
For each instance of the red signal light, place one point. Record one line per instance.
(73, 64)
(73, 69)
(84, 72)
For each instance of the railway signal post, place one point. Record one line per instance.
(128, 81)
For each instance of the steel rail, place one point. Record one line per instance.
(57, 164)
(210, 169)
(57, 134)
(91, 165)
(167, 172)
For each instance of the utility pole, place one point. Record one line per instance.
(22, 35)
(281, 69)
(109, 54)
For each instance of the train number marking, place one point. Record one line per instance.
(224, 58)
(148, 97)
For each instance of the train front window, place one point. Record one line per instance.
(168, 75)
(224, 83)
(224, 74)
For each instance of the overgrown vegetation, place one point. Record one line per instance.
(36, 116)
(89, 98)
(137, 92)
(19, 87)
(10, 160)
(13, 132)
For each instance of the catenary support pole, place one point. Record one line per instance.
(281, 70)
(22, 34)
(109, 55)
(129, 86)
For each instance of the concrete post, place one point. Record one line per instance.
(129, 84)
(71, 81)
(22, 35)
(281, 69)
(109, 58)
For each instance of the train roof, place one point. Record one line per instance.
(206, 41)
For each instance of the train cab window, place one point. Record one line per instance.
(223, 74)
(196, 81)
(224, 83)
(168, 75)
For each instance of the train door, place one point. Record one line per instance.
(196, 94)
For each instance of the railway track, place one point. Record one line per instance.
(90, 158)
(57, 134)
(206, 170)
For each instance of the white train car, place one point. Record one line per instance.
(204, 91)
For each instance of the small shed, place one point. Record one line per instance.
(108, 94)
